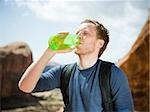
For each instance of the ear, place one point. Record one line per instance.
(100, 43)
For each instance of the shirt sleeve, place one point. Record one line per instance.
(50, 79)
(121, 92)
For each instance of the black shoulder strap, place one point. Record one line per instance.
(64, 81)
(104, 82)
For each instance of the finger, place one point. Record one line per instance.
(66, 50)
(66, 33)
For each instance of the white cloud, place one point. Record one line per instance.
(124, 30)
(52, 10)
(70, 10)
(124, 19)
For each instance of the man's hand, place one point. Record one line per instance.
(60, 51)
(65, 33)
(65, 50)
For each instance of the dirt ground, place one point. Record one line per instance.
(50, 101)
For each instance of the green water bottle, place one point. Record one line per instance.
(63, 40)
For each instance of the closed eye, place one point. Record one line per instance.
(83, 33)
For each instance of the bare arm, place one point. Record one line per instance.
(31, 76)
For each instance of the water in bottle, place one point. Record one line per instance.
(63, 41)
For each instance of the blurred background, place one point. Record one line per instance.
(26, 25)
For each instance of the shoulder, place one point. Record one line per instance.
(49, 67)
(53, 69)
(67, 67)
(60, 68)
(118, 77)
(116, 72)
(57, 67)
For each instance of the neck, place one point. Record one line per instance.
(86, 61)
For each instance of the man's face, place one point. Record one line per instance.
(88, 39)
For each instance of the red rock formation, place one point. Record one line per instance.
(136, 65)
(14, 59)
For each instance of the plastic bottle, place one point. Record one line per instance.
(63, 41)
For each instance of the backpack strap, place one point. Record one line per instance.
(104, 84)
(64, 81)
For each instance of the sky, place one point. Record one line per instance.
(33, 21)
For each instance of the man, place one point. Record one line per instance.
(84, 92)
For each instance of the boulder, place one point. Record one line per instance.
(136, 66)
(14, 59)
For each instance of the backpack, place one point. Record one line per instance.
(104, 84)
